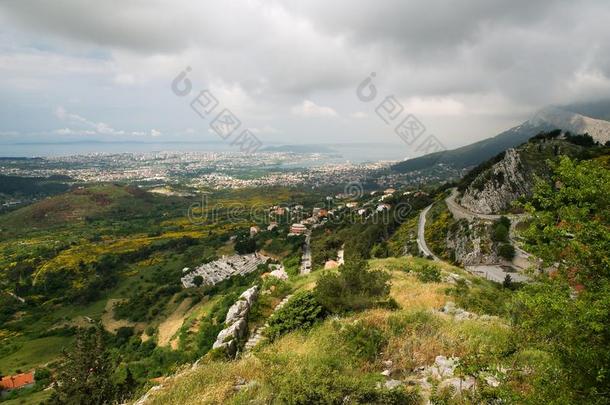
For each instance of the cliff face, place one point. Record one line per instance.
(495, 189)
(470, 243)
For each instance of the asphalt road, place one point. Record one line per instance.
(522, 258)
(421, 240)
(306, 259)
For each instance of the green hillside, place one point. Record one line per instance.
(473, 154)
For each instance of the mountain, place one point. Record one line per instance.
(545, 120)
(573, 122)
(494, 185)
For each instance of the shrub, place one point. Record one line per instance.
(354, 287)
(300, 312)
(198, 280)
(507, 251)
(319, 382)
(429, 274)
(362, 340)
(500, 232)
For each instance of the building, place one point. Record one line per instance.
(351, 204)
(298, 229)
(272, 226)
(331, 264)
(382, 207)
(254, 230)
(17, 381)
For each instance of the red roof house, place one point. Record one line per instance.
(12, 382)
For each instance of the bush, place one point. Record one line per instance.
(362, 340)
(507, 251)
(300, 312)
(354, 287)
(500, 232)
(429, 274)
(320, 382)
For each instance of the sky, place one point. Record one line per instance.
(290, 71)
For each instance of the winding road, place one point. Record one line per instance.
(492, 272)
(421, 240)
(522, 258)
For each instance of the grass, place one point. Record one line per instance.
(316, 365)
(35, 398)
(34, 353)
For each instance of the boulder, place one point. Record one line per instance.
(443, 367)
(250, 295)
(458, 385)
(391, 384)
(238, 310)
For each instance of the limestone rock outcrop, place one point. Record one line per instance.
(236, 322)
(494, 190)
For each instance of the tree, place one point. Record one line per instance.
(500, 232)
(567, 315)
(300, 312)
(507, 251)
(84, 376)
(508, 282)
(198, 280)
(244, 244)
(353, 287)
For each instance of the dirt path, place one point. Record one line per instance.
(172, 324)
(111, 324)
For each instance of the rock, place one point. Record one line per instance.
(492, 381)
(237, 311)
(496, 188)
(391, 384)
(458, 313)
(279, 273)
(236, 324)
(387, 363)
(386, 373)
(442, 368)
(250, 295)
(458, 385)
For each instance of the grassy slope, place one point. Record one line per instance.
(122, 217)
(415, 335)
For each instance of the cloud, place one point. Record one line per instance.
(70, 131)
(359, 115)
(479, 61)
(88, 127)
(98, 127)
(310, 109)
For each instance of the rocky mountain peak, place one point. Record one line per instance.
(573, 122)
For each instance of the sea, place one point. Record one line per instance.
(331, 153)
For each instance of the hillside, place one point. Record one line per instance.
(545, 120)
(78, 205)
(494, 186)
(375, 356)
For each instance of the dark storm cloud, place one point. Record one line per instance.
(271, 58)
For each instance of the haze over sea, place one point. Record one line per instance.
(333, 153)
